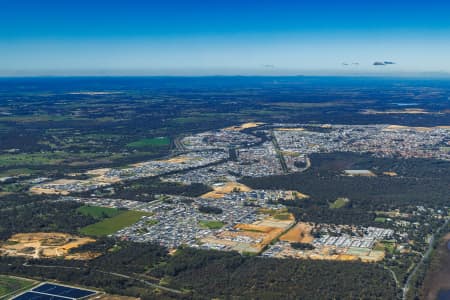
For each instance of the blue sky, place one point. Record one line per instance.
(209, 37)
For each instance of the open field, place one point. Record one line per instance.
(283, 216)
(300, 233)
(111, 225)
(292, 195)
(380, 219)
(17, 172)
(98, 212)
(339, 203)
(10, 285)
(413, 111)
(227, 188)
(251, 241)
(42, 191)
(31, 159)
(49, 158)
(53, 190)
(367, 173)
(423, 129)
(244, 126)
(150, 142)
(56, 187)
(211, 224)
(177, 159)
(254, 228)
(329, 253)
(250, 238)
(174, 160)
(45, 245)
(290, 129)
(272, 221)
(389, 173)
(98, 172)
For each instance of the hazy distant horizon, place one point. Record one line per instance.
(236, 37)
(93, 74)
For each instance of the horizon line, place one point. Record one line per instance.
(431, 75)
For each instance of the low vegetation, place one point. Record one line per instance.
(150, 142)
(111, 225)
(40, 216)
(212, 224)
(11, 285)
(339, 203)
(98, 212)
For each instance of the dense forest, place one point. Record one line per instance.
(203, 274)
(42, 216)
(145, 189)
(419, 182)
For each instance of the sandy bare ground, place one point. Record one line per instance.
(290, 129)
(244, 126)
(413, 111)
(300, 233)
(174, 160)
(392, 174)
(367, 173)
(42, 191)
(423, 129)
(178, 160)
(52, 188)
(298, 195)
(250, 237)
(53, 191)
(227, 188)
(327, 253)
(46, 244)
(276, 223)
(252, 227)
(98, 172)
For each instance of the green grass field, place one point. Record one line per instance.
(151, 222)
(211, 224)
(151, 142)
(380, 219)
(282, 216)
(111, 225)
(10, 285)
(17, 160)
(389, 246)
(98, 212)
(16, 172)
(339, 203)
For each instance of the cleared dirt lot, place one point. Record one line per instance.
(227, 188)
(413, 111)
(244, 126)
(251, 238)
(290, 129)
(424, 129)
(46, 244)
(300, 233)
